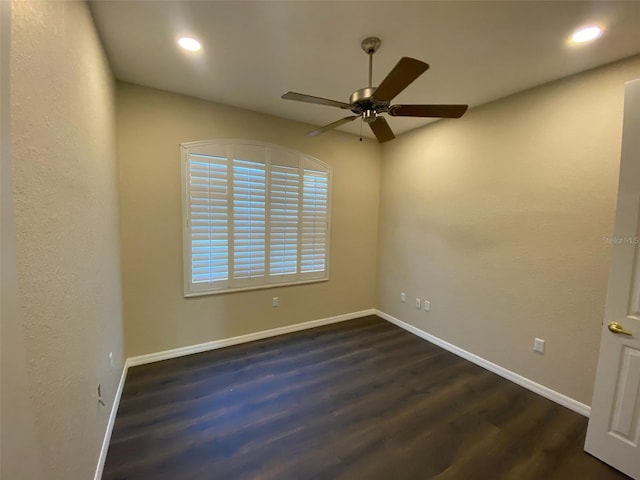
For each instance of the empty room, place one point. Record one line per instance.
(320, 240)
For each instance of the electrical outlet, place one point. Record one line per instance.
(427, 306)
(538, 345)
(275, 302)
(403, 297)
(418, 303)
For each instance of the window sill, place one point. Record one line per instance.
(256, 287)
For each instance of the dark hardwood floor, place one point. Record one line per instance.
(361, 399)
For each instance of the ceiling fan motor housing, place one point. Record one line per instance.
(361, 101)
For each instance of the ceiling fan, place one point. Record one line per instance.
(369, 102)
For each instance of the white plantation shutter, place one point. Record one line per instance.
(208, 214)
(284, 203)
(249, 200)
(315, 218)
(257, 215)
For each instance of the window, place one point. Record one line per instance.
(256, 215)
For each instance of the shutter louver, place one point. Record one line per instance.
(314, 221)
(249, 200)
(208, 218)
(284, 205)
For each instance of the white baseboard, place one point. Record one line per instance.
(546, 392)
(227, 342)
(110, 423)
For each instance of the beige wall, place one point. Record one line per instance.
(18, 458)
(498, 220)
(151, 125)
(67, 245)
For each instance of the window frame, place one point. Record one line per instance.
(304, 161)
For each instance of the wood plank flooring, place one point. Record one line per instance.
(361, 399)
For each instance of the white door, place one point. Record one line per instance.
(614, 426)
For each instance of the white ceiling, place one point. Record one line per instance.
(254, 51)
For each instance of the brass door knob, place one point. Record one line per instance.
(615, 327)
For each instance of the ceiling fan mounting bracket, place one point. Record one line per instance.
(370, 45)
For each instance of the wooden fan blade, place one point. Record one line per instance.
(300, 97)
(442, 111)
(382, 130)
(399, 78)
(331, 126)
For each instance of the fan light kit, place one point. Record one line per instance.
(370, 102)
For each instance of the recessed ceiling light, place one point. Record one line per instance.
(586, 34)
(190, 44)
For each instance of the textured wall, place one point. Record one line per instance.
(18, 458)
(498, 219)
(66, 209)
(151, 125)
